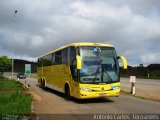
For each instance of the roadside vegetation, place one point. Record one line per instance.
(151, 71)
(15, 104)
(6, 84)
(146, 97)
(13, 101)
(5, 64)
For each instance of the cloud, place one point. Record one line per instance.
(131, 26)
(150, 58)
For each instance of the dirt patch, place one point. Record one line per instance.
(10, 91)
(35, 96)
(144, 93)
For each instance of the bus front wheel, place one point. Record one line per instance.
(67, 92)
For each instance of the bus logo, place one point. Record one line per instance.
(102, 88)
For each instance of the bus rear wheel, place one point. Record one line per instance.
(43, 84)
(67, 92)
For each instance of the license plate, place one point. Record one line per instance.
(102, 94)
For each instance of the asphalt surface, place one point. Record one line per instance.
(145, 82)
(49, 104)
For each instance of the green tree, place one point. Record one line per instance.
(5, 64)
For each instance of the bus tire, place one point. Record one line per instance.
(67, 92)
(43, 84)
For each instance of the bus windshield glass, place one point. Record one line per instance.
(99, 65)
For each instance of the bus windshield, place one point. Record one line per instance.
(100, 65)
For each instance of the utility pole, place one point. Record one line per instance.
(14, 17)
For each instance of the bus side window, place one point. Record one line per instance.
(47, 60)
(65, 56)
(58, 57)
(40, 62)
(53, 59)
(73, 63)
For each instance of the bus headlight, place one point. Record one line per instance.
(85, 89)
(115, 87)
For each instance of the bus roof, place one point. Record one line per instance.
(80, 44)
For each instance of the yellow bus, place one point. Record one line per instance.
(82, 70)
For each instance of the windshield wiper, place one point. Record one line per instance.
(102, 71)
(108, 76)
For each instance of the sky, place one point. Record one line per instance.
(132, 26)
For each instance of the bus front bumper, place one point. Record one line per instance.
(102, 94)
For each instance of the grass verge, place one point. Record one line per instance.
(13, 101)
(7, 84)
(139, 96)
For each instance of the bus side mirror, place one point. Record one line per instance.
(79, 62)
(124, 61)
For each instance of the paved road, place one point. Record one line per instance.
(148, 82)
(49, 103)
